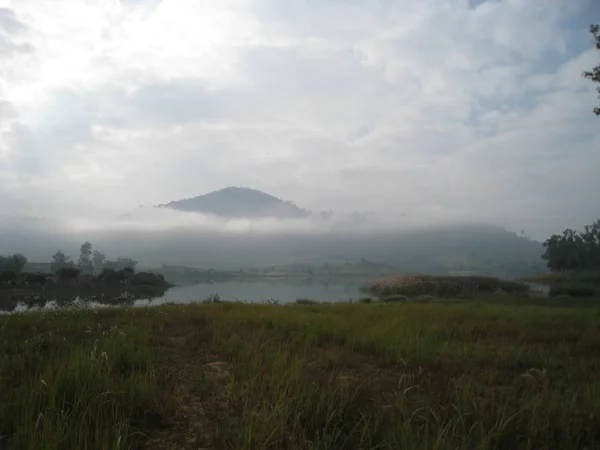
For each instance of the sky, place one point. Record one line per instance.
(432, 108)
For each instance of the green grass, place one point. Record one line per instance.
(440, 375)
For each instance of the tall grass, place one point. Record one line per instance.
(307, 376)
(68, 380)
(443, 286)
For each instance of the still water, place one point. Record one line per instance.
(248, 291)
(261, 291)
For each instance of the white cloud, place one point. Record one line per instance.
(433, 108)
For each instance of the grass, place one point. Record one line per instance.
(580, 276)
(584, 284)
(443, 286)
(441, 375)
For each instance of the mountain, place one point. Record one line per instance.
(239, 202)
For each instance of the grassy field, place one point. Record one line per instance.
(447, 375)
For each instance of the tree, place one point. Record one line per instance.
(85, 259)
(60, 261)
(13, 263)
(591, 238)
(573, 250)
(126, 263)
(120, 264)
(98, 261)
(594, 74)
(67, 274)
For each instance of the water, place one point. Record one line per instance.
(261, 291)
(285, 291)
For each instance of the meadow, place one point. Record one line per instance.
(451, 374)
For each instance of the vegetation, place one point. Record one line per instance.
(69, 276)
(191, 275)
(61, 261)
(574, 262)
(594, 74)
(574, 251)
(306, 301)
(12, 264)
(582, 276)
(441, 286)
(90, 261)
(69, 285)
(446, 375)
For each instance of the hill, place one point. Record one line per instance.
(239, 202)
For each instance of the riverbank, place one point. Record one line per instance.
(443, 375)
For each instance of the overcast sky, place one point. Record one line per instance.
(429, 107)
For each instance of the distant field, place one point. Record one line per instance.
(446, 375)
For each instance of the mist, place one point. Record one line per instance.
(156, 236)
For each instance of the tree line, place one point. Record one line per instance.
(90, 262)
(92, 268)
(573, 250)
(13, 263)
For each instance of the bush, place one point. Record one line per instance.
(306, 301)
(214, 298)
(7, 277)
(13, 263)
(111, 275)
(68, 274)
(394, 298)
(35, 278)
(148, 279)
(573, 290)
(365, 300)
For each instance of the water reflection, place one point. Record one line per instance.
(21, 301)
(283, 291)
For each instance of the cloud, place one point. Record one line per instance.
(10, 31)
(437, 108)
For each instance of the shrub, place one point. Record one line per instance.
(35, 278)
(213, 298)
(306, 301)
(573, 290)
(109, 275)
(148, 279)
(7, 277)
(394, 298)
(67, 274)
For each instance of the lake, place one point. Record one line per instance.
(284, 291)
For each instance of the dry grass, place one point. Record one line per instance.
(354, 376)
(586, 276)
(443, 286)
